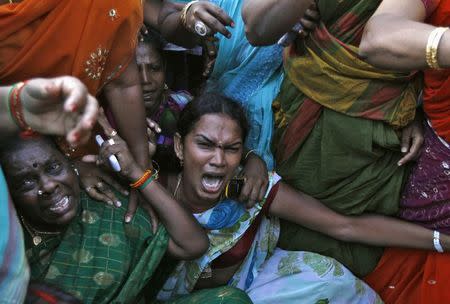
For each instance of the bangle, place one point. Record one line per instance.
(437, 242)
(431, 52)
(16, 111)
(142, 179)
(248, 153)
(184, 11)
(149, 181)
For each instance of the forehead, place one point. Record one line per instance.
(28, 155)
(218, 127)
(145, 53)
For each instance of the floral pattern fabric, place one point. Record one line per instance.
(267, 274)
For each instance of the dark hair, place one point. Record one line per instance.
(155, 40)
(211, 103)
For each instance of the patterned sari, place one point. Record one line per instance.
(100, 259)
(336, 122)
(268, 274)
(250, 75)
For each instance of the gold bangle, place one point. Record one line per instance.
(248, 153)
(431, 53)
(184, 11)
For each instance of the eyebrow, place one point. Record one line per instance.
(201, 136)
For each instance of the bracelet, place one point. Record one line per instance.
(142, 179)
(431, 52)
(184, 11)
(149, 181)
(248, 153)
(15, 109)
(437, 242)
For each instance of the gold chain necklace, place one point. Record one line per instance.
(34, 233)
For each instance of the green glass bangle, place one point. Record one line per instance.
(149, 181)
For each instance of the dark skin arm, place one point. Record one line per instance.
(374, 230)
(395, 37)
(165, 16)
(267, 20)
(187, 238)
(124, 97)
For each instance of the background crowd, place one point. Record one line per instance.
(224, 151)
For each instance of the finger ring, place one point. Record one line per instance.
(200, 28)
(111, 141)
(99, 185)
(113, 133)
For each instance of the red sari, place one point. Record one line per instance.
(416, 276)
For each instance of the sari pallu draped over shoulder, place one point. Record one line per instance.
(89, 39)
(331, 74)
(336, 130)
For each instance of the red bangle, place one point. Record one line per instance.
(16, 111)
(142, 179)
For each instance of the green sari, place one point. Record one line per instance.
(336, 129)
(100, 259)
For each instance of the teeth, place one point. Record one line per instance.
(61, 205)
(212, 182)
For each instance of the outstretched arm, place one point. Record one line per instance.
(375, 230)
(267, 20)
(395, 37)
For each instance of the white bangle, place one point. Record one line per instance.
(437, 242)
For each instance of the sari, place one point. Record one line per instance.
(91, 40)
(14, 271)
(415, 276)
(100, 259)
(250, 75)
(336, 121)
(268, 274)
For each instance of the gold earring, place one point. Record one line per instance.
(181, 162)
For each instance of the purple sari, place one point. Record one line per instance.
(426, 198)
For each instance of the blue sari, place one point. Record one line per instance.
(250, 75)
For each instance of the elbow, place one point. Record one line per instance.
(192, 250)
(255, 30)
(371, 43)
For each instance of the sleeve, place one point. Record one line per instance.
(430, 6)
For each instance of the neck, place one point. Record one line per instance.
(193, 203)
(34, 228)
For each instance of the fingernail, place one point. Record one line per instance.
(126, 192)
(110, 203)
(73, 107)
(228, 35)
(399, 164)
(76, 136)
(118, 204)
(127, 219)
(232, 24)
(158, 130)
(404, 149)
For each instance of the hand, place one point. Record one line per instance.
(98, 184)
(256, 180)
(60, 106)
(209, 56)
(152, 129)
(310, 20)
(212, 16)
(411, 140)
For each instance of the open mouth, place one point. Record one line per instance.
(212, 183)
(61, 206)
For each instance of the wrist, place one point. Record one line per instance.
(135, 174)
(8, 123)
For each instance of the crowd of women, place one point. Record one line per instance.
(312, 164)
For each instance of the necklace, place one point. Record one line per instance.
(34, 233)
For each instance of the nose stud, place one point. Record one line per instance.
(40, 192)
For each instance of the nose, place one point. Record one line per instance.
(145, 74)
(48, 185)
(218, 159)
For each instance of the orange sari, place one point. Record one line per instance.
(89, 39)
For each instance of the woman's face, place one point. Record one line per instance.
(42, 183)
(211, 153)
(151, 68)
